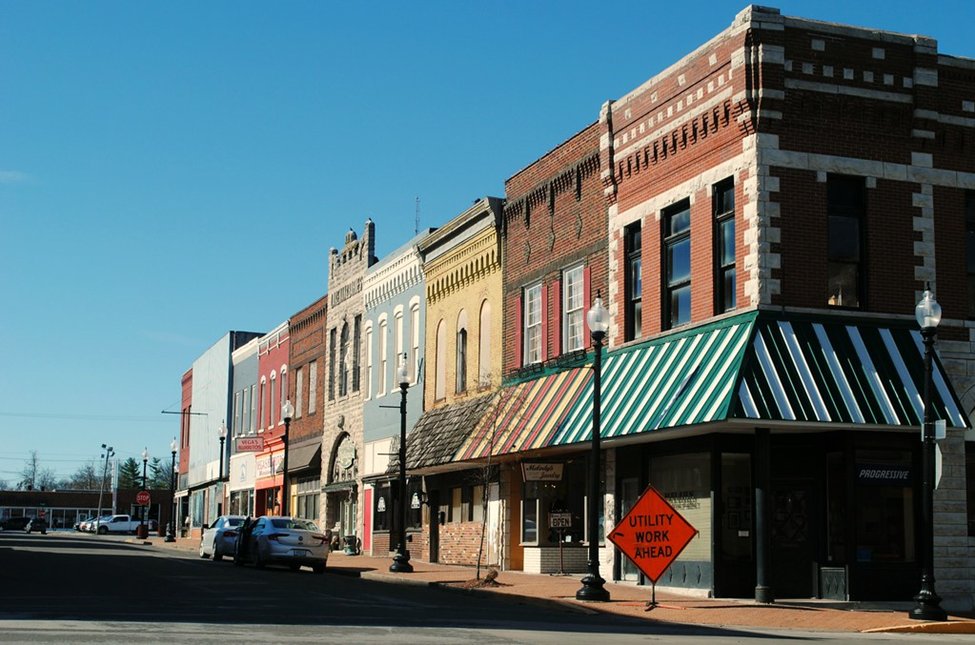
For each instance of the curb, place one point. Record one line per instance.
(950, 627)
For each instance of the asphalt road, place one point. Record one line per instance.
(67, 587)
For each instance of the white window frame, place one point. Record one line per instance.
(312, 386)
(299, 391)
(532, 324)
(573, 307)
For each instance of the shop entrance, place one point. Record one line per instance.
(793, 539)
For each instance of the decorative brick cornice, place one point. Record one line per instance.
(544, 194)
(463, 266)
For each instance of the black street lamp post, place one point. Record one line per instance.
(171, 525)
(142, 522)
(401, 560)
(592, 585)
(223, 437)
(287, 411)
(928, 607)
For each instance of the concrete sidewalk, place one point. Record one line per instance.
(631, 600)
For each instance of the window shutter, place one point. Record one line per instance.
(519, 331)
(558, 320)
(544, 322)
(586, 302)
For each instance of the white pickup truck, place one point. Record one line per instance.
(118, 524)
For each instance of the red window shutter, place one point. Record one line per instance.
(519, 352)
(544, 322)
(557, 330)
(587, 300)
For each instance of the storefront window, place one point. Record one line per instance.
(542, 499)
(885, 506)
(836, 517)
(685, 480)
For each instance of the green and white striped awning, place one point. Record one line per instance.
(761, 366)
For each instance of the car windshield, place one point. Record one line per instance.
(289, 523)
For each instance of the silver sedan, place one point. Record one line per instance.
(292, 542)
(219, 538)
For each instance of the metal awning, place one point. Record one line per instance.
(527, 415)
(765, 366)
(304, 457)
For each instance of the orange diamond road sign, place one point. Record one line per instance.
(652, 534)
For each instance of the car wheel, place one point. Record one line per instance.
(102, 530)
(318, 568)
(294, 566)
(217, 556)
(203, 553)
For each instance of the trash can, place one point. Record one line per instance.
(142, 531)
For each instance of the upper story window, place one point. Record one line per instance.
(846, 204)
(270, 400)
(369, 352)
(356, 350)
(383, 357)
(461, 359)
(970, 251)
(283, 391)
(261, 402)
(633, 286)
(440, 378)
(344, 358)
(331, 363)
(252, 426)
(414, 365)
(533, 325)
(484, 346)
(245, 395)
(677, 264)
(299, 391)
(312, 386)
(724, 257)
(572, 308)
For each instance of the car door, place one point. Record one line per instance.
(256, 535)
(208, 536)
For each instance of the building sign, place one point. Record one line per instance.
(652, 534)
(381, 504)
(884, 474)
(345, 456)
(268, 465)
(542, 472)
(560, 520)
(249, 444)
(415, 501)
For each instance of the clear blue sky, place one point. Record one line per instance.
(169, 171)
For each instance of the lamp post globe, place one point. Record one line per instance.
(401, 559)
(287, 413)
(592, 585)
(171, 525)
(927, 601)
(222, 433)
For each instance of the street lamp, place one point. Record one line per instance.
(592, 585)
(287, 411)
(928, 607)
(143, 532)
(108, 452)
(223, 437)
(171, 526)
(401, 561)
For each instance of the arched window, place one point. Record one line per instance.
(383, 357)
(484, 346)
(261, 405)
(461, 353)
(414, 364)
(344, 361)
(440, 391)
(270, 400)
(284, 390)
(368, 388)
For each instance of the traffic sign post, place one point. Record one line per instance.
(652, 535)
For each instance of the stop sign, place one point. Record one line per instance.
(142, 498)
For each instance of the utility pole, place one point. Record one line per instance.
(108, 452)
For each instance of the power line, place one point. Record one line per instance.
(84, 417)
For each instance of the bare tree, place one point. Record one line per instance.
(28, 476)
(85, 478)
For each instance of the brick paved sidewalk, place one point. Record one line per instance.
(631, 600)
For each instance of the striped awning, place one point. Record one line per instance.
(832, 372)
(682, 379)
(525, 416)
(762, 366)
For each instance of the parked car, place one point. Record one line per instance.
(77, 525)
(116, 524)
(89, 525)
(14, 523)
(219, 538)
(287, 541)
(36, 524)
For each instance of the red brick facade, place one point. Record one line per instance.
(555, 217)
(307, 332)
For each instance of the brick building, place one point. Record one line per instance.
(273, 351)
(307, 330)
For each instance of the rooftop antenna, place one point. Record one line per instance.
(416, 225)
